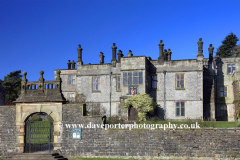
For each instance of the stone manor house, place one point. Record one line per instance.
(183, 89)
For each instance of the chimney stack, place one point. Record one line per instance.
(161, 56)
(119, 55)
(130, 53)
(101, 57)
(73, 64)
(169, 55)
(114, 50)
(69, 64)
(165, 53)
(80, 55)
(200, 49)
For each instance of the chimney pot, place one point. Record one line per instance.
(69, 64)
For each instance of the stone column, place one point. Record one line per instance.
(119, 55)
(24, 83)
(41, 83)
(69, 64)
(73, 65)
(80, 62)
(101, 58)
(169, 54)
(130, 53)
(200, 49)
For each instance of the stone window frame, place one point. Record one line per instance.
(232, 69)
(132, 77)
(97, 82)
(151, 81)
(118, 109)
(180, 108)
(118, 83)
(68, 97)
(72, 79)
(179, 88)
(222, 90)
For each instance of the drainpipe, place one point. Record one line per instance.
(164, 94)
(110, 92)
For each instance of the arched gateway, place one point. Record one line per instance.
(39, 115)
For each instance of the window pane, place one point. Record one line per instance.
(73, 77)
(229, 71)
(73, 81)
(129, 80)
(94, 79)
(225, 94)
(70, 95)
(119, 78)
(69, 77)
(221, 88)
(125, 81)
(98, 86)
(225, 88)
(129, 74)
(119, 106)
(155, 84)
(233, 69)
(178, 77)
(140, 80)
(182, 76)
(125, 74)
(69, 81)
(182, 104)
(229, 66)
(135, 80)
(221, 94)
(95, 88)
(182, 84)
(98, 79)
(233, 65)
(135, 74)
(178, 84)
(140, 74)
(182, 111)
(119, 86)
(178, 111)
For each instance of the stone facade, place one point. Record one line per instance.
(2, 95)
(193, 84)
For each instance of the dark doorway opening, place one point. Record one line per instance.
(132, 114)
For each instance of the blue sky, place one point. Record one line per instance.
(43, 35)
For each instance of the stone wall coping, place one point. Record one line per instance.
(10, 106)
(20, 133)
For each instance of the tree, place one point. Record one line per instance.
(228, 44)
(143, 103)
(12, 85)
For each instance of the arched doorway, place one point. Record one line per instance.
(38, 133)
(132, 113)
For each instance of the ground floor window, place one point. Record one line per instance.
(118, 109)
(180, 109)
(223, 110)
(71, 97)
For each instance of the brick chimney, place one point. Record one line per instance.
(130, 53)
(120, 54)
(161, 56)
(80, 55)
(73, 64)
(101, 57)
(114, 50)
(200, 49)
(69, 64)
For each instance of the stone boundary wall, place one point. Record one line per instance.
(210, 143)
(7, 130)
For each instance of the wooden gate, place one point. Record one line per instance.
(39, 133)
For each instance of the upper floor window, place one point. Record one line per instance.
(71, 79)
(118, 82)
(180, 109)
(131, 89)
(180, 81)
(96, 83)
(71, 97)
(154, 81)
(223, 91)
(132, 78)
(231, 68)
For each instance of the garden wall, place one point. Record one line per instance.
(159, 143)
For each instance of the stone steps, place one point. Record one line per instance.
(37, 156)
